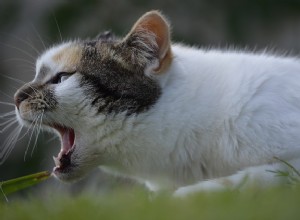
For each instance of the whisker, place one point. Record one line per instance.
(28, 111)
(40, 101)
(7, 103)
(34, 90)
(9, 144)
(60, 35)
(6, 199)
(31, 135)
(7, 114)
(15, 88)
(8, 125)
(28, 94)
(20, 138)
(26, 68)
(8, 96)
(7, 118)
(8, 121)
(24, 41)
(52, 139)
(38, 35)
(37, 133)
(13, 79)
(18, 49)
(25, 92)
(32, 64)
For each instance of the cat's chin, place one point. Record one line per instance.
(64, 167)
(69, 174)
(72, 175)
(71, 167)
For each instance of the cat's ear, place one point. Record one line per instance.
(150, 41)
(105, 36)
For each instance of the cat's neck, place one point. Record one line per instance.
(144, 145)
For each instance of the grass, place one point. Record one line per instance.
(256, 203)
(276, 203)
(17, 184)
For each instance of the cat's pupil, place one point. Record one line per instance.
(60, 77)
(63, 78)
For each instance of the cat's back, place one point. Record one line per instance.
(201, 61)
(235, 73)
(252, 98)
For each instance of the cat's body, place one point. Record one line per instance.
(220, 112)
(169, 115)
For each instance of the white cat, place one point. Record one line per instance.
(172, 116)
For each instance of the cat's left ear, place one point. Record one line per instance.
(149, 40)
(105, 36)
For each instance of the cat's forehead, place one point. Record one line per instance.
(61, 58)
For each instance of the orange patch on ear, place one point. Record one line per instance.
(69, 57)
(154, 22)
(164, 63)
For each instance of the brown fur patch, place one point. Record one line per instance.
(69, 57)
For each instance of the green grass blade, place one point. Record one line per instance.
(14, 185)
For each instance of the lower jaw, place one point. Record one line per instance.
(65, 176)
(70, 174)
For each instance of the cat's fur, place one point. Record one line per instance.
(167, 114)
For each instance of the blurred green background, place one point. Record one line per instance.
(28, 26)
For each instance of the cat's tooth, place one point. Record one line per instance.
(56, 161)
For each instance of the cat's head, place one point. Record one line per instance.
(80, 85)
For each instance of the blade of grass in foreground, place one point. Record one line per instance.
(14, 185)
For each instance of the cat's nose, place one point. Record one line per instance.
(21, 95)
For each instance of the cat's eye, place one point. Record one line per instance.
(60, 77)
(63, 77)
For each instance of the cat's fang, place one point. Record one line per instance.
(56, 161)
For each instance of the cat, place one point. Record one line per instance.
(171, 116)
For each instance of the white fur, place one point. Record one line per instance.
(46, 59)
(223, 116)
(220, 112)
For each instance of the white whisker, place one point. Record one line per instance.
(39, 36)
(38, 132)
(60, 35)
(7, 103)
(32, 64)
(40, 101)
(23, 41)
(8, 121)
(20, 138)
(8, 125)
(8, 114)
(26, 68)
(36, 92)
(8, 96)
(19, 49)
(35, 122)
(9, 144)
(52, 139)
(6, 199)
(27, 94)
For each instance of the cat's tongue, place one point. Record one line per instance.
(68, 137)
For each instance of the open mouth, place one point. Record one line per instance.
(63, 161)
